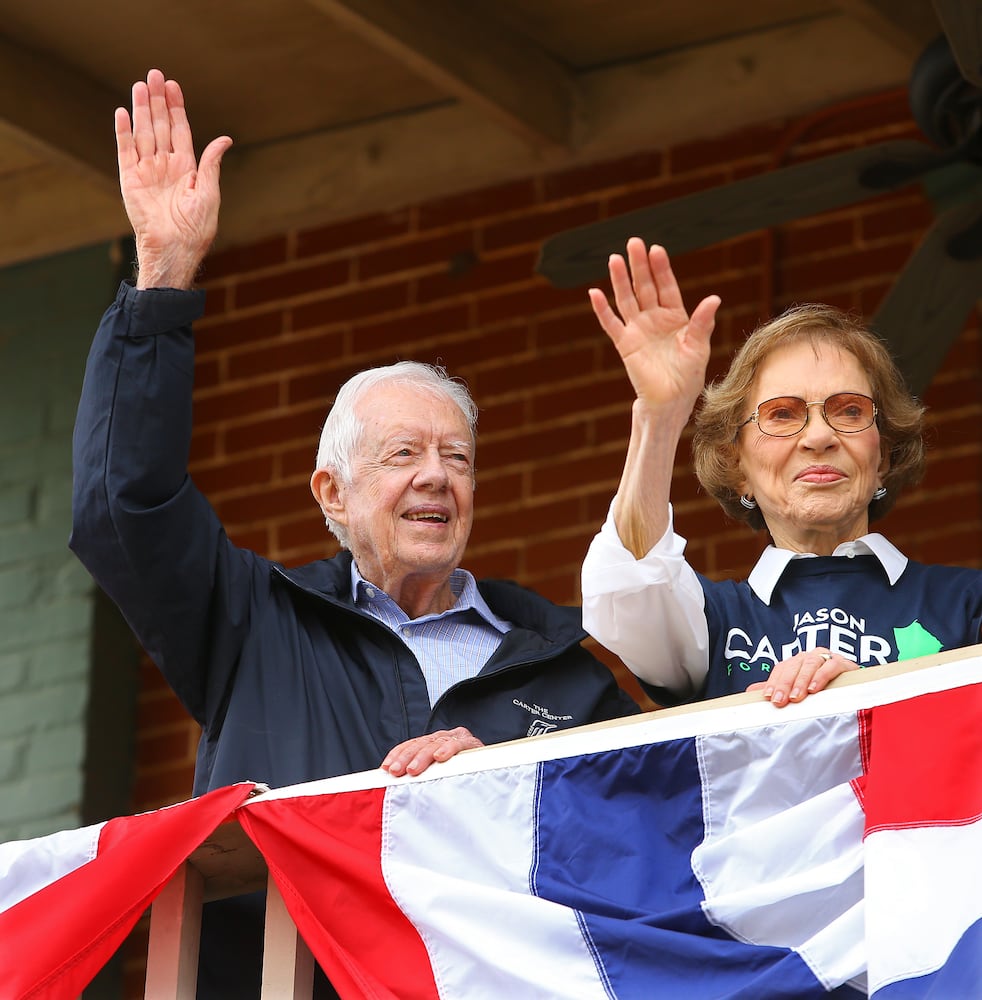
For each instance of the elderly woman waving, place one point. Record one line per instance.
(810, 435)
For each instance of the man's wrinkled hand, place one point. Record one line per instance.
(172, 200)
(415, 756)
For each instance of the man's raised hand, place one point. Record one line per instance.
(171, 200)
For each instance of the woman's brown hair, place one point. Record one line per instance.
(726, 405)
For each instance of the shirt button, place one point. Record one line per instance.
(369, 592)
(407, 632)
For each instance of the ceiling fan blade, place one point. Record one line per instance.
(580, 255)
(928, 306)
(962, 23)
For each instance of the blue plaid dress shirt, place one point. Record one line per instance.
(450, 646)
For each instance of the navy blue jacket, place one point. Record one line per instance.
(289, 681)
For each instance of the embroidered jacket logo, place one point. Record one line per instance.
(545, 721)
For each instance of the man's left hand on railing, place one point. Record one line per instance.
(415, 756)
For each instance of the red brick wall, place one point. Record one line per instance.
(452, 282)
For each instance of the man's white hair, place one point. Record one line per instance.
(342, 431)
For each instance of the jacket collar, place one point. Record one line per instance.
(331, 580)
(462, 585)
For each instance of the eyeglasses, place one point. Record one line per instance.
(785, 416)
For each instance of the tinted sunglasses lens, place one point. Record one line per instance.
(782, 416)
(849, 411)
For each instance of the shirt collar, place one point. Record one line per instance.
(773, 562)
(462, 585)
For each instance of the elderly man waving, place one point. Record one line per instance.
(387, 654)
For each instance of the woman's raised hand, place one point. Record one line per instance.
(665, 350)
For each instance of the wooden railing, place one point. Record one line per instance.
(226, 864)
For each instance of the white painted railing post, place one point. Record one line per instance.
(175, 929)
(288, 965)
(226, 864)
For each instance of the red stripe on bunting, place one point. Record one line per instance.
(56, 940)
(926, 761)
(327, 848)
